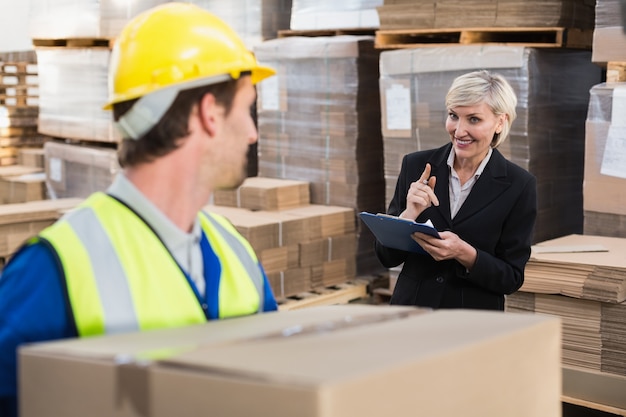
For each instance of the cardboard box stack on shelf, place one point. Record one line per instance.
(326, 361)
(319, 121)
(582, 280)
(302, 246)
(547, 138)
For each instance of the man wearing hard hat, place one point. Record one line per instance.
(144, 255)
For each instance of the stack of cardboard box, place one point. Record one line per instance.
(302, 246)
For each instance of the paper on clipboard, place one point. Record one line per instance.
(394, 232)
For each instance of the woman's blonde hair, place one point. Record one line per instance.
(482, 86)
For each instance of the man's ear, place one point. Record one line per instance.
(208, 111)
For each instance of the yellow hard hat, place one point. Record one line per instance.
(177, 44)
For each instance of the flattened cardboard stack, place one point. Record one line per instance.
(579, 266)
(409, 14)
(301, 246)
(331, 14)
(319, 121)
(609, 39)
(547, 138)
(349, 360)
(604, 187)
(19, 222)
(582, 280)
(261, 193)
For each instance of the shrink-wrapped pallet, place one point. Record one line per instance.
(63, 19)
(253, 20)
(604, 187)
(319, 121)
(330, 14)
(72, 91)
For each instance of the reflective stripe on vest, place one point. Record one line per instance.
(243, 252)
(120, 277)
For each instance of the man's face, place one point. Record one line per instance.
(237, 133)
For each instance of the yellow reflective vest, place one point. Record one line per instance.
(120, 277)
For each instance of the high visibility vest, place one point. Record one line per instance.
(120, 277)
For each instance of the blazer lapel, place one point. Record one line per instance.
(491, 183)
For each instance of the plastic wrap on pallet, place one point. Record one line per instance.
(330, 14)
(76, 171)
(604, 187)
(319, 121)
(62, 19)
(547, 138)
(254, 20)
(72, 91)
(609, 37)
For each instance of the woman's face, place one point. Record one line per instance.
(471, 130)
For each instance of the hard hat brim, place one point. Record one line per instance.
(258, 74)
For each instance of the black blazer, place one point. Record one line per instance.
(497, 219)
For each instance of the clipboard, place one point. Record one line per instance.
(395, 232)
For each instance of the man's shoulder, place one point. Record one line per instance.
(29, 256)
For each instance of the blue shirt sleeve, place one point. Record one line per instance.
(32, 309)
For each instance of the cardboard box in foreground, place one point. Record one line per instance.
(348, 360)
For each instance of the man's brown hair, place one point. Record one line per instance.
(166, 135)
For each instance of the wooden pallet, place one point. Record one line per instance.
(594, 406)
(327, 32)
(615, 72)
(335, 294)
(74, 43)
(536, 37)
(7, 132)
(18, 84)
